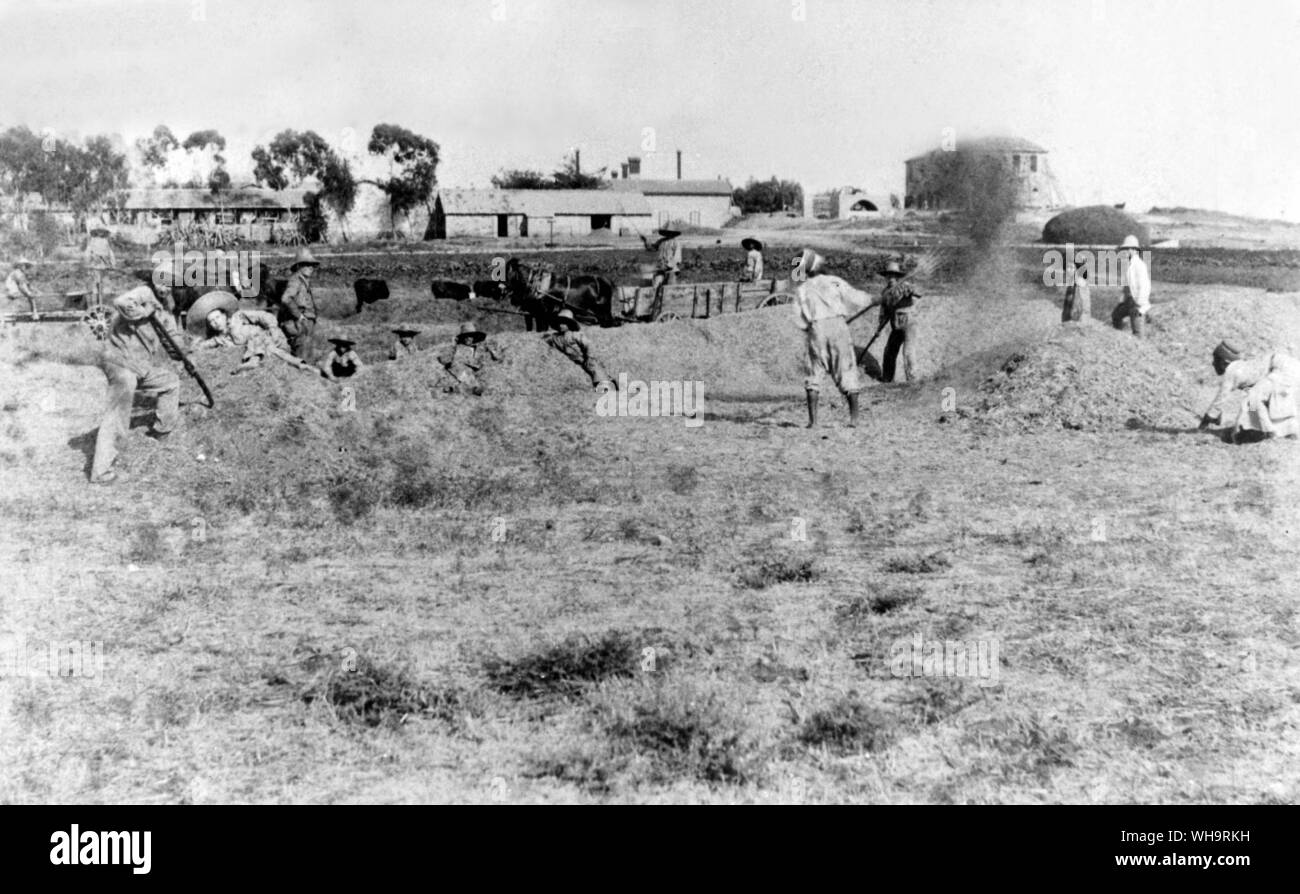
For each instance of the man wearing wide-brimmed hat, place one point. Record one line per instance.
(466, 358)
(1272, 385)
(1137, 288)
(100, 259)
(897, 304)
(344, 363)
(569, 341)
(298, 305)
(16, 285)
(822, 305)
(669, 260)
(218, 316)
(405, 345)
(134, 359)
(753, 260)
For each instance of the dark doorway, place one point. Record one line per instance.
(503, 225)
(601, 222)
(523, 225)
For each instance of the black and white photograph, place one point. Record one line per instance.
(563, 402)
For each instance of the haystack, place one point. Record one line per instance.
(1094, 225)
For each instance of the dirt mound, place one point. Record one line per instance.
(1188, 327)
(1094, 225)
(1087, 377)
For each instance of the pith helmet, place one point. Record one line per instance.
(136, 304)
(565, 318)
(302, 258)
(1130, 242)
(470, 332)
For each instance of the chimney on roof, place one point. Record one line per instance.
(679, 164)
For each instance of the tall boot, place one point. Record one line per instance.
(813, 397)
(853, 410)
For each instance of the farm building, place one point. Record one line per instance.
(539, 213)
(1025, 161)
(845, 203)
(165, 206)
(697, 203)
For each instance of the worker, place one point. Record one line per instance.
(569, 341)
(1137, 289)
(297, 305)
(405, 345)
(1271, 382)
(16, 285)
(466, 358)
(753, 260)
(256, 331)
(100, 258)
(344, 362)
(669, 260)
(1078, 294)
(897, 302)
(135, 360)
(822, 304)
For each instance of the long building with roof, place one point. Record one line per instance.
(1024, 160)
(544, 213)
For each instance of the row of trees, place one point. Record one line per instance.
(92, 176)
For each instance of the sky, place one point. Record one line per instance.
(1194, 102)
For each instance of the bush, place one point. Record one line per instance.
(1094, 225)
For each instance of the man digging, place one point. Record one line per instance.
(822, 304)
(134, 359)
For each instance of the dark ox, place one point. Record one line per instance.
(368, 291)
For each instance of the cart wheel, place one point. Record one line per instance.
(664, 318)
(774, 299)
(98, 320)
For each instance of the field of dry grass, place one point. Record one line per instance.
(508, 598)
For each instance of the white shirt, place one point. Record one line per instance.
(1138, 281)
(826, 296)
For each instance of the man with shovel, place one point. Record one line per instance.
(896, 303)
(822, 304)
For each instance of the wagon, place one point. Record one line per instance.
(643, 304)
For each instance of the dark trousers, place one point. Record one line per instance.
(898, 341)
(298, 334)
(1128, 309)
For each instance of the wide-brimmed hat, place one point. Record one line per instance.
(469, 331)
(893, 268)
(669, 232)
(1226, 352)
(343, 342)
(405, 330)
(23, 261)
(1130, 242)
(751, 244)
(303, 257)
(100, 231)
(197, 319)
(136, 304)
(565, 318)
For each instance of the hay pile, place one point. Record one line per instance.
(1188, 328)
(1087, 377)
(1094, 225)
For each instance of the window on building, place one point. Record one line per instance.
(1015, 163)
(1033, 163)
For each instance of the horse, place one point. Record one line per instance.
(535, 290)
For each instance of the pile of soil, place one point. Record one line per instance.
(1094, 225)
(1087, 377)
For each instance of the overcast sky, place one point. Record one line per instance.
(1194, 102)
